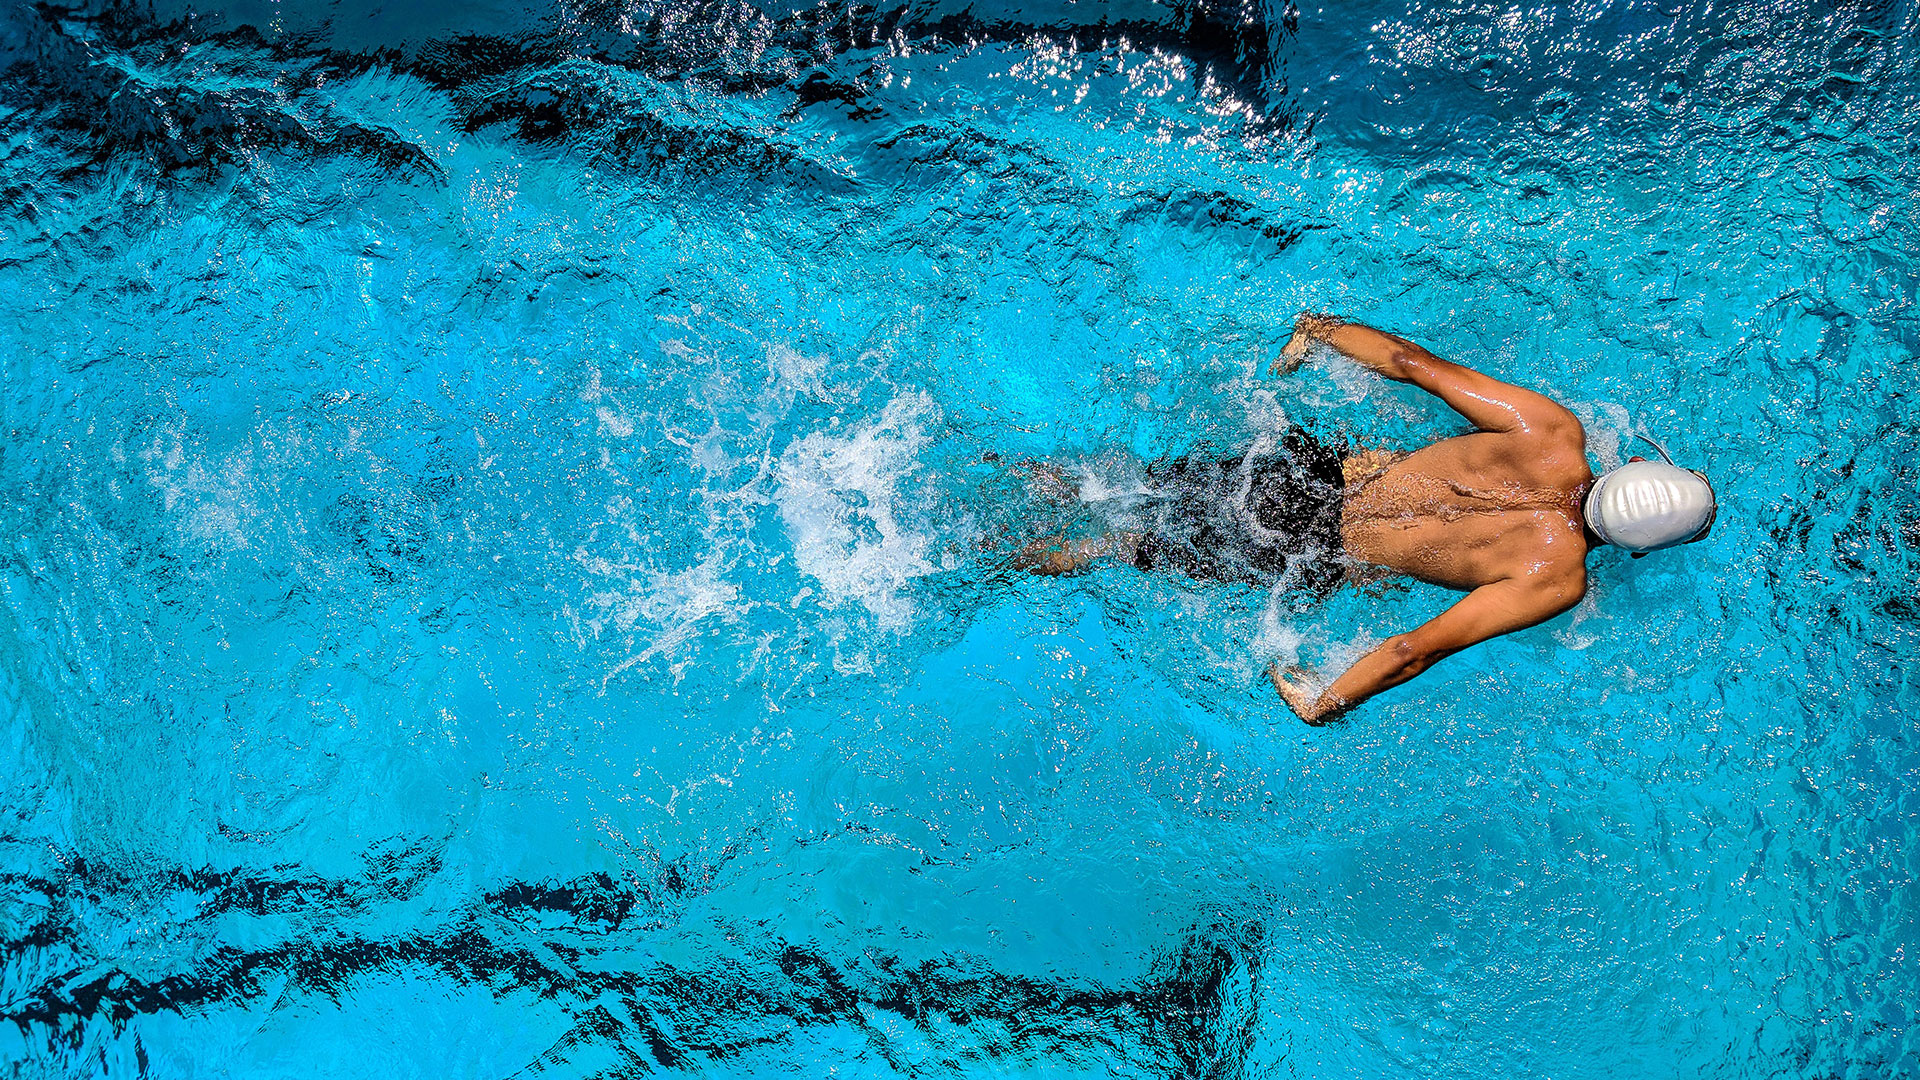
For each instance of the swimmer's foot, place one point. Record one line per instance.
(1059, 556)
(1053, 558)
(1049, 481)
(993, 541)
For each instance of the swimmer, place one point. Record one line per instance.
(1505, 514)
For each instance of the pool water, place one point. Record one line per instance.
(506, 514)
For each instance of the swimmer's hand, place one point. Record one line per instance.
(1308, 328)
(1292, 355)
(1302, 690)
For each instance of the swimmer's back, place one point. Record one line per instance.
(1479, 508)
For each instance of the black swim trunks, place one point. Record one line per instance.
(1252, 519)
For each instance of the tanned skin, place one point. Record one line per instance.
(1494, 514)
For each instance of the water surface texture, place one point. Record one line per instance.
(502, 565)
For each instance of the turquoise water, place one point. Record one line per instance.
(501, 576)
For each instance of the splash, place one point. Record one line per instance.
(846, 510)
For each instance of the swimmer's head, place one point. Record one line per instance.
(1645, 505)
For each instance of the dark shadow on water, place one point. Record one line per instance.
(1191, 1016)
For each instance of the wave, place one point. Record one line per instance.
(190, 90)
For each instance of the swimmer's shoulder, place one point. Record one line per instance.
(1553, 451)
(1556, 586)
(1542, 417)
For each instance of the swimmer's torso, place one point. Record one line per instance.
(1472, 510)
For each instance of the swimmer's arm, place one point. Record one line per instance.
(1486, 612)
(1486, 402)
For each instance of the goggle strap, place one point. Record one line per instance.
(1648, 439)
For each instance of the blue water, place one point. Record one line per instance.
(500, 572)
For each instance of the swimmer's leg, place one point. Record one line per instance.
(1021, 498)
(1059, 556)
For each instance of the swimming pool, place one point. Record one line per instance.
(499, 572)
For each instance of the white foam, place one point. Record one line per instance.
(1265, 414)
(840, 496)
(1341, 655)
(1278, 641)
(798, 372)
(1281, 641)
(613, 423)
(1346, 381)
(673, 604)
(1351, 382)
(1574, 633)
(211, 501)
(1609, 428)
(1109, 477)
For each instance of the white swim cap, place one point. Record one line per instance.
(1649, 505)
